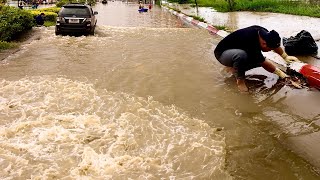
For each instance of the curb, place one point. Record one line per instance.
(310, 72)
(212, 30)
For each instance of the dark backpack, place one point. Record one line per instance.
(301, 44)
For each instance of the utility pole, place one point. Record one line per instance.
(196, 7)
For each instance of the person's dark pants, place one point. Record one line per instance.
(238, 59)
(39, 22)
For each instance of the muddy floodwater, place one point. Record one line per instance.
(144, 98)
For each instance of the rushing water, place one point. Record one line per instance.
(143, 103)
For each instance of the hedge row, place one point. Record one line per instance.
(49, 16)
(6, 45)
(15, 21)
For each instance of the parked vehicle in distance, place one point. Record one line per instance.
(76, 18)
(104, 1)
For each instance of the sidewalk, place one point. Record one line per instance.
(305, 141)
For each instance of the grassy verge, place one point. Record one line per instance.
(222, 28)
(278, 6)
(49, 23)
(7, 45)
(198, 18)
(15, 23)
(50, 13)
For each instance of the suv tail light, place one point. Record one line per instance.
(60, 19)
(88, 19)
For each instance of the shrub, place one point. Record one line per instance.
(13, 22)
(51, 9)
(6, 45)
(49, 16)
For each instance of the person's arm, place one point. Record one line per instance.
(285, 56)
(269, 66)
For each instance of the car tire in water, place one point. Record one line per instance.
(57, 32)
(92, 31)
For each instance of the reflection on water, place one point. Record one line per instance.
(115, 13)
(143, 103)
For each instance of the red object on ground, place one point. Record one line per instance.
(312, 73)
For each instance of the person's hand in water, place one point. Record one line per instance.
(242, 86)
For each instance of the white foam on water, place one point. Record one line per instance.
(54, 128)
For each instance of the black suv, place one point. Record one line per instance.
(76, 18)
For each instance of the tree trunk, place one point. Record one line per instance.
(195, 1)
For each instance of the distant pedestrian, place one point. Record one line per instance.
(141, 6)
(20, 5)
(40, 19)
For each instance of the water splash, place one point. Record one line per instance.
(53, 127)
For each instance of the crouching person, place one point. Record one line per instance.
(40, 19)
(241, 51)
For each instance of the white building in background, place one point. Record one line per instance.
(48, 1)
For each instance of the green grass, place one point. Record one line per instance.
(198, 18)
(177, 10)
(285, 7)
(49, 23)
(7, 45)
(277, 6)
(221, 28)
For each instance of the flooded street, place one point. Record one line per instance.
(124, 14)
(145, 98)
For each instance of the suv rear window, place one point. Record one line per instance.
(78, 11)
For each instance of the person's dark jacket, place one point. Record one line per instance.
(40, 20)
(246, 39)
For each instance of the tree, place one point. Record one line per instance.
(195, 1)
